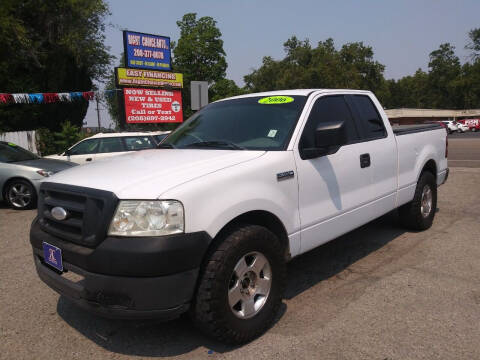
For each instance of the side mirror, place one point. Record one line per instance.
(67, 152)
(329, 137)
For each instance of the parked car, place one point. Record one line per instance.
(473, 124)
(21, 172)
(452, 126)
(207, 222)
(104, 145)
(462, 127)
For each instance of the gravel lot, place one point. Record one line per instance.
(378, 292)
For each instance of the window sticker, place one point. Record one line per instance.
(276, 100)
(272, 133)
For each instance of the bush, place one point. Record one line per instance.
(53, 143)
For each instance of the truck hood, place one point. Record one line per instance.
(147, 174)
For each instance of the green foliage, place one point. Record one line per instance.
(224, 88)
(447, 84)
(474, 44)
(198, 54)
(50, 46)
(45, 142)
(49, 142)
(68, 136)
(324, 66)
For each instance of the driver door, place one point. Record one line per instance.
(333, 187)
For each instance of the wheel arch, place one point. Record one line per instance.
(430, 166)
(257, 217)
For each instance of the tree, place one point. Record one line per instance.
(322, 66)
(474, 44)
(224, 88)
(444, 70)
(50, 46)
(199, 53)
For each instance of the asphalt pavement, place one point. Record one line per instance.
(379, 292)
(464, 149)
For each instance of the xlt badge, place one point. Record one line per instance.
(285, 175)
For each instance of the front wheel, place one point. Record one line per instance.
(418, 214)
(21, 195)
(241, 286)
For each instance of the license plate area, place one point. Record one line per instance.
(52, 256)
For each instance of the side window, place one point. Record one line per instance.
(368, 117)
(108, 145)
(89, 146)
(328, 109)
(139, 143)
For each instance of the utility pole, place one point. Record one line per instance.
(98, 112)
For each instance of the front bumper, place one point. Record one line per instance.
(125, 278)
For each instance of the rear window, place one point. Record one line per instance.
(133, 143)
(367, 114)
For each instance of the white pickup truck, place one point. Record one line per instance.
(208, 221)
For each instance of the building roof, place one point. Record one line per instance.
(430, 113)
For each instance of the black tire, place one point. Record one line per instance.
(211, 310)
(25, 202)
(411, 213)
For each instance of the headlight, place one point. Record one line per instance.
(147, 218)
(45, 173)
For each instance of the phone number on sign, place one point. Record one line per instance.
(151, 118)
(148, 53)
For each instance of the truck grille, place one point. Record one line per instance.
(89, 212)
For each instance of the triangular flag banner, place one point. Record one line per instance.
(46, 98)
(6, 98)
(88, 95)
(21, 98)
(75, 95)
(50, 97)
(64, 96)
(36, 98)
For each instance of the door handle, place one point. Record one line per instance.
(88, 159)
(364, 160)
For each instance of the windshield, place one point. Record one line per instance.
(10, 152)
(253, 123)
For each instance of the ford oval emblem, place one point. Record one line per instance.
(59, 213)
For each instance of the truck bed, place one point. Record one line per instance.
(409, 129)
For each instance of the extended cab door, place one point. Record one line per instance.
(379, 145)
(332, 188)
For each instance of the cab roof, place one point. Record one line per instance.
(299, 92)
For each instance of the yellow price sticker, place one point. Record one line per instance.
(276, 100)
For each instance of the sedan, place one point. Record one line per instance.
(21, 173)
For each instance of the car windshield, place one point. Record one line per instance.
(252, 123)
(10, 153)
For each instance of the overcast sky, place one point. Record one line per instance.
(401, 33)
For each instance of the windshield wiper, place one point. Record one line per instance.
(216, 144)
(166, 146)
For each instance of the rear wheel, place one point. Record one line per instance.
(241, 286)
(419, 213)
(21, 195)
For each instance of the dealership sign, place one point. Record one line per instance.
(153, 105)
(146, 51)
(148, 78)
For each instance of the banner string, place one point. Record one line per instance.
(48, 98)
